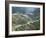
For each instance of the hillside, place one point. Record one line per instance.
(22, 22)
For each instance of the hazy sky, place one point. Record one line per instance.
(24, 10)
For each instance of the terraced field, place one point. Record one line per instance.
(21, 22)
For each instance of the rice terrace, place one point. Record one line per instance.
(25, 18)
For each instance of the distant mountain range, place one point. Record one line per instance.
(25, 10)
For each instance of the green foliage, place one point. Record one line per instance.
(37, 25)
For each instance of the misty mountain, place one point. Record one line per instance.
(24, 10)
(34, 13)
